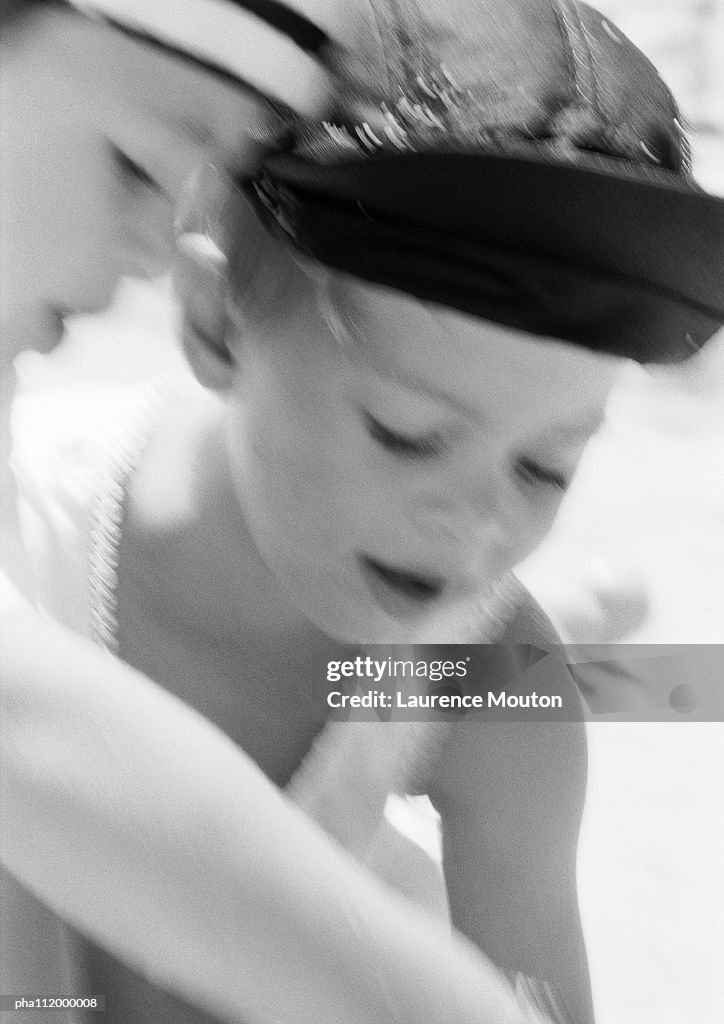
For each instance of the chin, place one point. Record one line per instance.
(372, 626)
(344, 622)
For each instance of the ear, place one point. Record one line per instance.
(202, 288)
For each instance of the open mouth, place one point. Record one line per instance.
(406, 583)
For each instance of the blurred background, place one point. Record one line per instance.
(637, 556)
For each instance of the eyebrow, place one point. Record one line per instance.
(355, 348)
(428, 390)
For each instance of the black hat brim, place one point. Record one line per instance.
(615, 256)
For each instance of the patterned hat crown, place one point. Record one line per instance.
(466, 75)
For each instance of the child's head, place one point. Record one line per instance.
(100, 127)
(411, 380)
(393, 457)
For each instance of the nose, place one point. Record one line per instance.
(460, 531)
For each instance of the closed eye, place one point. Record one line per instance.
(423, 447)
(130, 172)
(532, 472)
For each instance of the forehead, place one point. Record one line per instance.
(123, 77)
(485, 368)
(167, 84)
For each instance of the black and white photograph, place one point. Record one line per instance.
(362, 512)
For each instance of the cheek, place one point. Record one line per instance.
(532, 525)
(84, 229)
(85, 190)
(296, 465)
(68, 235)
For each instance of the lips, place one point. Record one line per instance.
(411, 584)
(398, 590)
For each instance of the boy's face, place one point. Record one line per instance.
(395, 460)
(98, 135)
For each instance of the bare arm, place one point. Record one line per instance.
(162, 839)
(511, 796)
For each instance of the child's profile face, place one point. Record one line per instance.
(393, 458)
(99, 134)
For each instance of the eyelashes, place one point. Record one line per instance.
(423, 447)
(429, 446)
(130, 172)
(534, 473)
